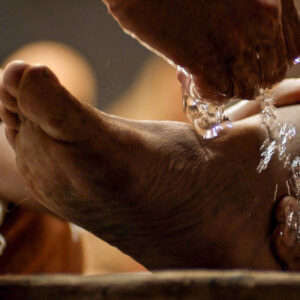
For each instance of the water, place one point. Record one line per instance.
(208, 118)
(278, 136)
(210, 121)
(297, 60)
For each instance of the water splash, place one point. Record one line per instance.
(278, 136)
(208, 118)
(209, 121)
(297, 60)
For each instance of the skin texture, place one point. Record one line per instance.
(285, 237)
(28, 225)
(31, 232)
(232, 48)
(153, 189)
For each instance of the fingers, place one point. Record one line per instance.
(244, 73)
(267, 61)
(242, 110)
(286, 93)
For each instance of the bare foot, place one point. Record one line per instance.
(9, 175)
(153, 189)
(286, 234)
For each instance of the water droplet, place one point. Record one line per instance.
(209, 121)
(296, 60)
(278, 137)
(208, 118)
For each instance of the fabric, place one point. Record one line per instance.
(38, 243)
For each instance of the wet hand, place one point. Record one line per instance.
(232, 48)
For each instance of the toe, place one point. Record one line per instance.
(10, 119)
(12, 76)
(44, 101)
(11, 136)
(8, 101)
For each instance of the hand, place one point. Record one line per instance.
(230, 47)
(286, 93)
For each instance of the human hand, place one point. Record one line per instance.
(286, 93)
(232, 48)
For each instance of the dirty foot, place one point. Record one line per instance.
(153, 189)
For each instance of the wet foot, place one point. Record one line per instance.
(153, 189)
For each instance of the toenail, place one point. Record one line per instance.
(12, 75)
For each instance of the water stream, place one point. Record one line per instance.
(210, 120)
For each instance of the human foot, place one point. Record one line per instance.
(286, 234)
(153, 189)
(78, 163)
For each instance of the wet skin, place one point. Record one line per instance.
(230, 47)
(153, 189)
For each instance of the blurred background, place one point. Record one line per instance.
(85, 26)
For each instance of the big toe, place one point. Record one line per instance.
(12, 75)
(44, 101)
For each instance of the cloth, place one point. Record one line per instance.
(38, 243)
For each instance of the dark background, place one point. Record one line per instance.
(82, 24)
